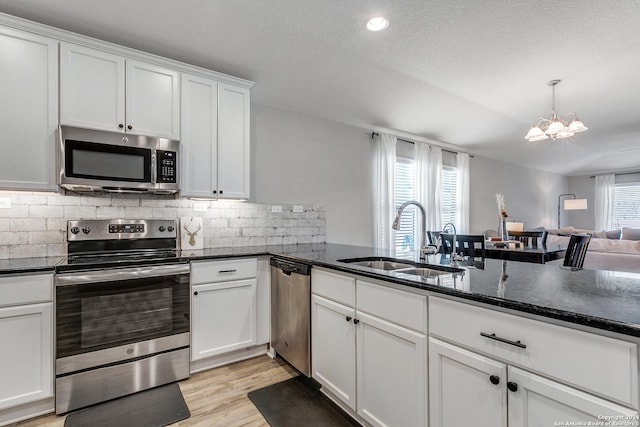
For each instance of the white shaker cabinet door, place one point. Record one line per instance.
(153, 100)
(92, 91)
(233, 142)
(465, 388)
(199, 142)
(28, 110)
(224, 317)
(535, 401)
(26, 358)
(333, 348)
(392, 373)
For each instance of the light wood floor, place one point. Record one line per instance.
(217, 397)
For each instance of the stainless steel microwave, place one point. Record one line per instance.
(92, 160)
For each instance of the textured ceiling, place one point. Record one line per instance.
(472, 74)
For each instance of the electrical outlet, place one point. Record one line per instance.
(298, 208)
(5, 202)
(200, 206)
(276, 208)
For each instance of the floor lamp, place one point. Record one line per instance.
(571, 204)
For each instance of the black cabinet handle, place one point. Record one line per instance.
(227, 271)
(512, 386)
(220, 191)
(120, 125)
(129, 127)
(215, 191)
(348, 318)
(504, 340)
(356, 321)
(195, 293)
(494, 379)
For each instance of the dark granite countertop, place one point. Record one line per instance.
(605, 300)
(28, 265)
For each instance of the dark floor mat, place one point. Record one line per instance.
(295, 402)
(156, 407)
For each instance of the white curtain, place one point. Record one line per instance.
(604, 201)
(462, 194)
(384, 191)
(428, 178)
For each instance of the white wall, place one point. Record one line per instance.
(530, 195)
(584, 188)
(303, 159)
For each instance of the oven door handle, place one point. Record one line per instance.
(96, 276)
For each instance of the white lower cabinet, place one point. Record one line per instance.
(466, 388)
(391, 373)
(366, 356)
(26, 352)
(225, 315)
(519, 372)
(225, 307)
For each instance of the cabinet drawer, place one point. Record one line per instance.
(602, 365)
(220, 271)
(26, 289)
(333, 286)
(400, 307)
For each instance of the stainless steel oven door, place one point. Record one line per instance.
(101, 309)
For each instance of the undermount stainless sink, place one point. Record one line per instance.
(380, 264)
(402, 266)
(424, 272)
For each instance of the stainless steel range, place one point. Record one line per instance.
(122, 311)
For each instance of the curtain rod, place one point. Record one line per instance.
(619, 174)
(374, 134)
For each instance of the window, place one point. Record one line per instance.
(405, 188)
(448, 196)
(626, 205)
(405, 191)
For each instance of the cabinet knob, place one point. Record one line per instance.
(494, 379)
(195, 293)
(356, 321)
(215, 191)
(220, 191)
(120, 125)
(348, 318)
(129, 127)
(512, 386)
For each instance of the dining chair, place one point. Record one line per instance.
(576, 251)
(530, 238)
(433, 237)
(471, 245)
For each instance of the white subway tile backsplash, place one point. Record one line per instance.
(36, 225)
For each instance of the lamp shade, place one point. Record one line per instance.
(575, 204)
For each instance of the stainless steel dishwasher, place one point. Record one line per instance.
(291, 313)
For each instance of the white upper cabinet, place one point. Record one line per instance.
(153, 100)
(215, 139)
(29, 110)
(199, 144)
(233, 142)
(104, 91)
(92, 88)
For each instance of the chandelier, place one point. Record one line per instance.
(555, 127)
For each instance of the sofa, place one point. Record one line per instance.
(617, 250)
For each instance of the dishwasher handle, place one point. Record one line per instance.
(288, 267)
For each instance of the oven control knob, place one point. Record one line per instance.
(170, 228)
(161, 228)
(86, 230)
(75, 230)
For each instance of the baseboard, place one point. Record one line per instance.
(227, 358)
(26, 411)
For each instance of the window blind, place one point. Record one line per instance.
(448, 195)
(626, 205)
(405, 191)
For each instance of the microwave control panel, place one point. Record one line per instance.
(167, 167)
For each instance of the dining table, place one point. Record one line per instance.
(516, 251)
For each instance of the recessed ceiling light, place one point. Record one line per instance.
(378, 23)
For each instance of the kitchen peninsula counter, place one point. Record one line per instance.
(607, 300)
